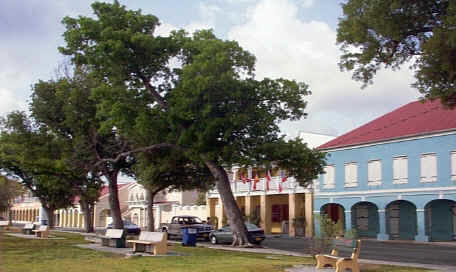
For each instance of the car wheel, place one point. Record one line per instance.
(213, 240)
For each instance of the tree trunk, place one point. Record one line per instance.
(50, 216)
(150, 209)
(87, 209)
(232, 210)
(114, 201)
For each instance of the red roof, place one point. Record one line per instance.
(413, 119)
(105, 189)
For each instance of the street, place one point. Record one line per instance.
(394, 251)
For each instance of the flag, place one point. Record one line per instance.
(255, 181)
(283, 178)
(243, 178)
(268, 180)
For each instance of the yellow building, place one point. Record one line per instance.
(278, 203)
(26, 208)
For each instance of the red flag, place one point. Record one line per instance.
(283, 178)
(243, 178)
(268, 180)
(255, 181)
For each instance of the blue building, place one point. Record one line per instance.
(394, 177)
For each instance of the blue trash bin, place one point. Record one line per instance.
(189, 236)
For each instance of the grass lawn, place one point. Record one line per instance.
(31, 255)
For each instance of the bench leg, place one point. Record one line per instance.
(342, 265)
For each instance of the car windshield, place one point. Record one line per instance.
(192, 220)
(249, 226)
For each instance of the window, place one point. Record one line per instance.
(374, 172)
(453, 165)
(328, 177)
(428, 168)
(351, 174)
(400, 170)
(279, 213)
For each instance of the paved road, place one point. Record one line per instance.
(393, 251)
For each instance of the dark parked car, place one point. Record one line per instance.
(225, 235)
(129, 227)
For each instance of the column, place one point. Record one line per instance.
(157, 219)
(382, 235)
(60, 218)
(308, 213)
(77, 219)
(220, 213)
(317, 223)
(421, 236)
(71, 218)
(265, 213)
(248, 205)
(139, 217)
(65, 224)
(95, 216)
(292, 214)
(348, 221)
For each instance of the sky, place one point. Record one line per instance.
(294, 39)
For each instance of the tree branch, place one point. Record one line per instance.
(157, 97)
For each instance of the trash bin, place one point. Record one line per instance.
(119, 243)
(189, 236)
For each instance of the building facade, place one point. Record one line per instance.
(395, 177)
(279, 204)
(166, 204)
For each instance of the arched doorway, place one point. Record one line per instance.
(365, 219)
(401, 220)
(440, 218)
(336, 214)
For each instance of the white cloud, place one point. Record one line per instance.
(306, 3)
(288, 46)
(9, 102)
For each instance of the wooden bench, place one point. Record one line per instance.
(151, 242)
(42, 231)
(336, 258)
(28, 228)
(113, 238)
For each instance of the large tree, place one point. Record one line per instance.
(66, 106)
(209, 106)
(389, 33)
(32, 154)
(9, 190)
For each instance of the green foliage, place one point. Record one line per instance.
(32, 154)
(373, 34)
(328, 228)
(168, 169)
(9, 190)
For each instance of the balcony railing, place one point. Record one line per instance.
(276, 185)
